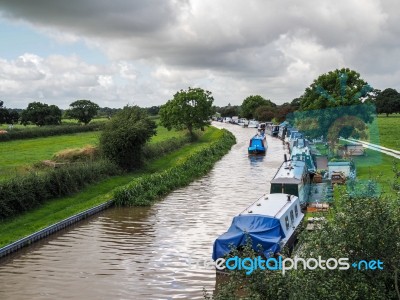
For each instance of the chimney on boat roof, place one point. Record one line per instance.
(288, 198)
(285, 157)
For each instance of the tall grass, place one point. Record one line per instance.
(145, 190)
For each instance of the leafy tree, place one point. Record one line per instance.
(82, 110)
(342, 87)
(264, 113)
(153, 110)
(251, 103)
(1, 103)
(124, 136)
(229, 110)
(283, 110)
(333, 105)
(388, 101)
(189, 109)
(41, 114)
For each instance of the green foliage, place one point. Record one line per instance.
(229, 110)
(145, 190)
(264, 113)
(124, 136)
(333, 106)
(388, 101)
(50, 130)
(342, 87)
(154, 150)
(82, 110)
(8, 116)
(251, 103)
(41, 114)
(189, 109)
(24, 193)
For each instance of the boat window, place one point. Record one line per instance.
(296, 211)
(287, 222)
(291, 216)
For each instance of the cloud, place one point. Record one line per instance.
(233, 48)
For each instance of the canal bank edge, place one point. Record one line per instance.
(206, 157)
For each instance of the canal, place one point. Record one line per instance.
(158, 252)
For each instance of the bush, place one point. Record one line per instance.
(28, 133)
(124, 136)
(144, 190)
(23, 193)
(161, 148)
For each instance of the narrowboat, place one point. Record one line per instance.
(258, 145)
(292, 178)
(271, 222)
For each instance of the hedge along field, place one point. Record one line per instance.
(146, 189)
(45, 131)
(97, 193)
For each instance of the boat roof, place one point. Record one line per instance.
(272, 205)
(290, 172)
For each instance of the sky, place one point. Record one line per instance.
(141, 52)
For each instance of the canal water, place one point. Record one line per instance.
(158, 252)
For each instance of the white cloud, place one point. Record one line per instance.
(233, 48)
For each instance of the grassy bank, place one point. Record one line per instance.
(95, 194)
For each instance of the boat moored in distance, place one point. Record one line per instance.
(253, 124)
(271, 222)
(272, 129)
(258, 145)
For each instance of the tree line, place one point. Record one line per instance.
(41, 114)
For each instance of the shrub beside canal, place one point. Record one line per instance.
(145, 190)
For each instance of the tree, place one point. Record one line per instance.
(388, 101)
(124, 136)
(191, 109)
(333, 104)
(229, 110)
(41, 114)
(251, 103)
(82, 110)
(264, 113)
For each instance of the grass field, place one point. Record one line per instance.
(18, 155)
(376, 166)
(55, 211)
(388, 134)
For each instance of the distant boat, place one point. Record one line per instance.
(253, 124)
(258, 145)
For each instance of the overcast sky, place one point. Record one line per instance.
(141, 52)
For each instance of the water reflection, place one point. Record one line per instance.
(143, 253)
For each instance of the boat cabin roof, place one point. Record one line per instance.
(290, 172)
(272, 205)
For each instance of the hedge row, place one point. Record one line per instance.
(159, 149)
(27, 133)
(24, 193)
(145, 190)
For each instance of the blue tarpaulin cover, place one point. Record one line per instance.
(263, 230)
